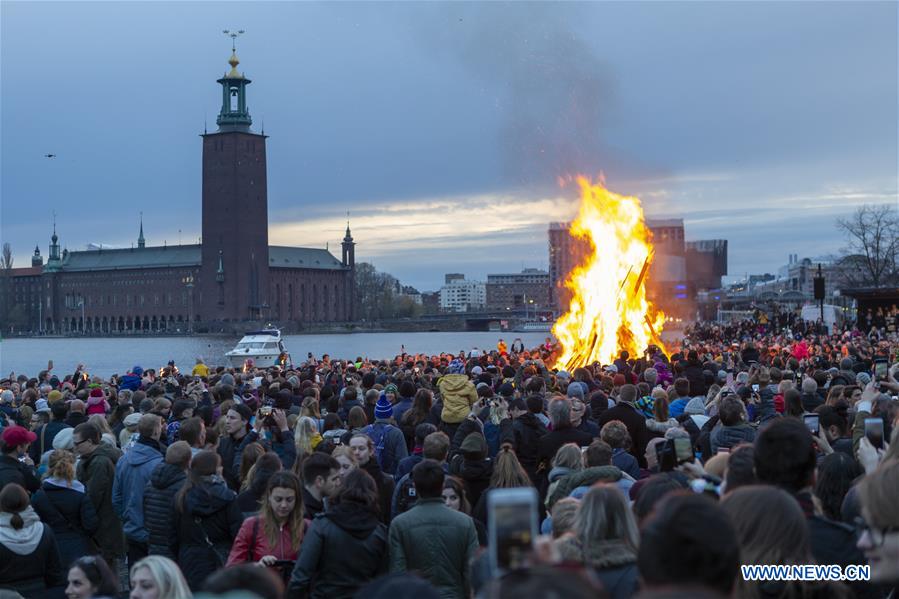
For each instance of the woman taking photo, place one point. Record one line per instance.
(274, 536)
(29, 557)
(91, 577)
(345, 547)
(158, 577)
(62, 503)
(207, 518)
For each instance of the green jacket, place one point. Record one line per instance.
(438, 543)
(97, 472)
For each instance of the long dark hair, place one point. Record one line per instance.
(836, 474)
(421, 407)
(283, 480)
(358, 489)
(205, 463)
(99, 574)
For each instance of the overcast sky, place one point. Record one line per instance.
(443, 127)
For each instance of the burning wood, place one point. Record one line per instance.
(601, 320)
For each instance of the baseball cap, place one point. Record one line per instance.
(17, 435)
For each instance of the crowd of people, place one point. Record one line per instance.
(655, 475)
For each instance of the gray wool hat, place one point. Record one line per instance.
(695, 407)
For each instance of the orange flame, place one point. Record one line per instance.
(609, 311)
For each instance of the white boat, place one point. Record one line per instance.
(535, 326)
(264, 347)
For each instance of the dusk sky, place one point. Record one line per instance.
(443, 127)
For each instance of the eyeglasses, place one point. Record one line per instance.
(878, 535)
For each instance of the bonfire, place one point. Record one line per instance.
(609, 310)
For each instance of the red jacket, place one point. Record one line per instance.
(246, 548)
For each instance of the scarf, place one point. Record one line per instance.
(64, 484)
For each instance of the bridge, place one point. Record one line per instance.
(485, 320)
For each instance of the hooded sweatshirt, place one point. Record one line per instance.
(25, 540)
(458, 394)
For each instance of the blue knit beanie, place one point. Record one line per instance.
(383, 409)
(456, 367)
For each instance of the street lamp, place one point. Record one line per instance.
(189, 283)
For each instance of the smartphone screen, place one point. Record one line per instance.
(512, 526)
(880, 370)
(811, 422)
(874, 432)
(755, 388)
(729, 381)
(683, 450)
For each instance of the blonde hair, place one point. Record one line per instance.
(167, 575)
(507, 471)
(302, 438)
(604, 515)
(61, 465)
(878, 495)
(345, 451)
(99, 421)
(568, 456)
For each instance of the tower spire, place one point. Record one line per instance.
(234, 115)
(140, 238)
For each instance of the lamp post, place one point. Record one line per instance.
(189, 283)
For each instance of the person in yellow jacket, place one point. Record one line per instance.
(200, 368)
(458, 393)
(501, 347)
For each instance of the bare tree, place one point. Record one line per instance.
(872, 237)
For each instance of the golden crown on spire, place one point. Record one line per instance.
(234, 61)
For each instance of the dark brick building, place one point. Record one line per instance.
(231, 276)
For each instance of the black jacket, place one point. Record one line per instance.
(14, 471)
(209, 516)
(34, 573)
(230, 449)
(636, 427)
(528, 429)
(474, 473)
(159, 499)
(385, 483)
(693, 373)
(343, 549)
(72, 517)
(549, 444)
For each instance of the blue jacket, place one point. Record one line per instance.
(390, 445)
(400, 407)
(625, 462)
(132, 473)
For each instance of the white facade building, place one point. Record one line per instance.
(459, 295)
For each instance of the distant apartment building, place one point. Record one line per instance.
(669, 274)
(459, 295)
(529, 288)
(706, 262)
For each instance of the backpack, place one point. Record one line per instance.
(492, 434)
(383, 453)
(406, 495)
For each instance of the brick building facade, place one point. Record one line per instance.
(231, 276)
